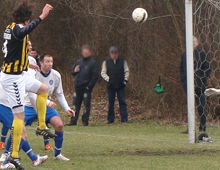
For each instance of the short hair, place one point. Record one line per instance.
(34, 49)
(43, 56)
(22, 12)
(87, 46)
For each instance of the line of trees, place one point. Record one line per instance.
(151, 49)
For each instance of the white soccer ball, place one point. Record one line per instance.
(139, 15)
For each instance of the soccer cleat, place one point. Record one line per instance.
(15, 162)
(3, 157)
(7, 166)
(2, 145)
(48, 147)
(61, 157)
(40, 160)
(45, 132)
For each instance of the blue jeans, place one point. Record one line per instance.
(122, 103)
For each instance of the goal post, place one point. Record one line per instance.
(190, 71)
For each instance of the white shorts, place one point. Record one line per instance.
(15, 87)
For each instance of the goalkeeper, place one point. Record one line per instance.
(202, 71)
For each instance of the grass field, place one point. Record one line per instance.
(132, 146)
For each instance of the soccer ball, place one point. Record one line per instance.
(139, 15)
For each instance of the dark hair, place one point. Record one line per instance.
(43, 56)
(22, 12)
(34, 49)
(87, 46)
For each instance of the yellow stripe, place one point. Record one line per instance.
(4, 67)
(26, 52)
(23, 56)
(11, 26)
(16, 66)
(8, 69)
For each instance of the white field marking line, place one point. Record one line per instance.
(135, 138)
(110, 136)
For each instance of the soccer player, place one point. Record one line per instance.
(15, 81)
(202, 72)
(6, 118)
(52, 79)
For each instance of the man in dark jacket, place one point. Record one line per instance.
(85, 71)
(115, 72)
(202, 72)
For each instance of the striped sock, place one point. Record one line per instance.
(58, 143)
(8, 147)
(16, 133)
(27, 149)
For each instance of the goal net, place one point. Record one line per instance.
(207, 70)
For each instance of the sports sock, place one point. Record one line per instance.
(58, 143)
(16, 132)
(27, 149)
(41, 109)
(8, 147)
(4, 133)
(46, 140)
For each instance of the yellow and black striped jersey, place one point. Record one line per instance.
(15, 47)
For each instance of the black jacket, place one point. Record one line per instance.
(202, 69)
(88, 74)
(116, 73)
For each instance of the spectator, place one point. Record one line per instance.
(85, 71)
(35, 55)
(115, 72)
(202, 72)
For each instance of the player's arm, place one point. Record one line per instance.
(20, 33)
(34, 66)
(61, 98)
(212, 92)
(126, 71)
(104, 72)
(94, 77)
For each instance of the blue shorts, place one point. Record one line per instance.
(6, 116)
(31, 115)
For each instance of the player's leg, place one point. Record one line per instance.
(57, 123)
(87, 107)
(3, 136)
(47, 144)
(111, 105)
(30, 117)
(36, 159)
(200, 99)
(42, 95)
(6, 118)
(77, 102)
(35, 86)
(24, 145)
(122, 104)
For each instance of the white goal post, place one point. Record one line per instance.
(190, 71)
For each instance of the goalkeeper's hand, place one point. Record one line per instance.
(212, 92)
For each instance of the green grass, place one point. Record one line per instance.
(133, 146)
